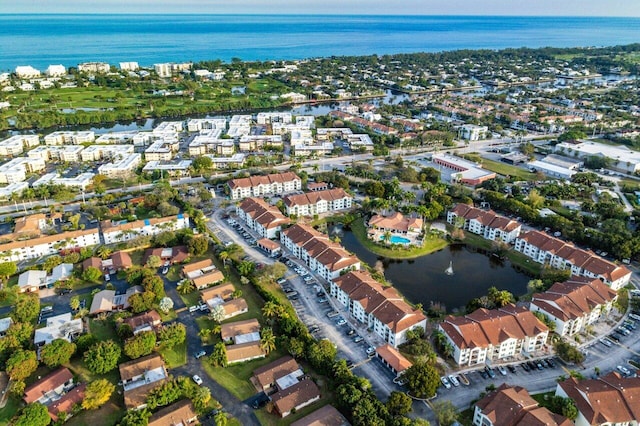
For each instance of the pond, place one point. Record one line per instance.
(423, 280)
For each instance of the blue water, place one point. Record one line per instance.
(397, 240)
(40, 40)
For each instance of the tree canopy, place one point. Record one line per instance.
(102, 357)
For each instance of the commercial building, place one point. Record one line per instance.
(258, 186)
(464, 171)
(15, 145)
(317, 202)
(548, 250)
(575, 304)
(622, 158)
(551, 170)
(493, 335)
(381, 309)
(265, 219)
(487, 223)
(117, 232)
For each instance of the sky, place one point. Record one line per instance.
(624, 8)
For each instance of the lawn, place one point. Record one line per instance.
(174, 356)
(102, 330)
(502, 168)
(430, 245)
(9, 410)
(191, 299)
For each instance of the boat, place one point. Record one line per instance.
(449, 270)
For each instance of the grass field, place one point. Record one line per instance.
(502, 168)
(174, 356)
(102, 330)
(9, 410)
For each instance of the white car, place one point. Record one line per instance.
(371, 351)
(623, 370)
(341, 321)
(197, 379)
(502, 370)
(445, 382)
(454, 380)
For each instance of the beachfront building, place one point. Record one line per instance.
(116, 232)
(129, 66)
(548, 250)
(327, 258)
(575, 304)
(27, 71)
(493, 335)
(258, 186)
(487, 223)
(94, 67)
(68, 137)
(318, 202)
(512, 405)
(47, 245)
(265, 219)
(15, 145)
(607, 400)
(381, 309)
(622, 158)
(463, 171)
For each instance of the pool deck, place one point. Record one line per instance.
(378, 237)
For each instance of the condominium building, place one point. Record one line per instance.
(129, 66)
(13, 188)
(65, 153)
(472, 132)
(258, 142)
(106, 152)
(486, 223)
(317, 202)
(263, 218)
(380, 308)
(94, 67)
(161, 150)
(15, 170)
(27, 71)
(200, 124)
(575, 304)
(360, 141)
(81, 181)
(121, 167)
(69, 138)
(116, 232)
(273, 117)
(258, 186)
(234, 161)
(173, 168)
(47, 245)
(548, 250)
(124, 137)
(493, 335)
(320, 254)
(328, 133)
(302, 150)
(15, 145)
(56, 71)
(206, 142)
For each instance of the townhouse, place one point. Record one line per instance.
(380, 308)
(49, 244)
(326, 258)
(181, 413)
(257, 186)
(240, 331)
(139, 377)
(493, 335)
(608, 400)
(485, 222)
(317, 202)
(575, 304)
(265, 219)
(15, 145)
(548, 250)
(222, 295)
(69, 138)
(15, 170)
(116, 232)
(511, 406)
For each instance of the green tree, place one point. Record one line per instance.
(154, 261)
(422, 379)
(246, 268)
(165, 305)
(446, 412)
(18, 334)
(563, 406)
(535, 199)
(220, 419)
(155, 285)
(103, 252)
(218, 357)
(21, 364)
(198, 246)
(185, 286)
(102, 357)
(7, 269)
(322, 354)
(74, 303)
(136, 418)
(84, 342)
(97, 394)
(27, 308)
(34, 414)
(399, 403)
(141, 344)
(217, 313)
(202, 164)
(141, 302)
(58, 352)
(173, 334)
(568, 353)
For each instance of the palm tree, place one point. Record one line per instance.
(104, 252)
(386, 237)
(267, 340)
(270, 310)
(74, 303)
(185, 287)
(224, 255)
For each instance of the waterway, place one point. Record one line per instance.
(423, 280)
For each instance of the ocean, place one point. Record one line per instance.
(41, 40)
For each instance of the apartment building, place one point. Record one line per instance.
(200, 124)
(13, 188)
(273, 117)
(575, 304)
(234, 161)
(82, 181)
(118, 138)
(317, 202)
(69, 138)
(360, 141)
(15, 170)
(65, 153)
(161, 150)
(55, 71)
(94, 67)
(472, 132)
(206, 142)
(486, 223)
(318, 149)
(548, 250)
(105, 152)
(327, 258)
(129, 66)
(173, 168)
(381, 309)
(328, 133)
(258, 186)
(265, 219)
(47, 245)
(493, 335)
(116, 232)
(15, 145)
(249, 143)
(121, 167)
(27, 71)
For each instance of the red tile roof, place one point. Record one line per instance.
(49, 382)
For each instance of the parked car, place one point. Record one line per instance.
(200, 354)
(454, 381)
(358, 339)
(197, 379)
(281, 281)
(551, 363)
(606, 342)
(371, 351)
(511, 368)
(332, 314)
(625, 371)
(323, 300)
(525, 367)
(341, 321)
(484, 374)
(445, 382)
(165, 270)
(351, 332)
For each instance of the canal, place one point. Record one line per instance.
(423, 280)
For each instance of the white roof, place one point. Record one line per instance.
(246, 338)
(58, 327)
(61, 272)
(563, 171)
(615, 152)
(5, 323)
(289, 380)
(32, 278)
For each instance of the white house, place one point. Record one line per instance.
(317, 202)
(58, 327)
(486, 223)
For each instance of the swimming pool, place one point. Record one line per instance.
(395, 239)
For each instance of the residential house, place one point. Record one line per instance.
(261, 217)
(50, 388)
(179, 414)
(485, 222)
(393, 359)
(244, 352)
(608, 400)
(317, 202)
(149, 321)
(108, 300)
(548, 250)
(32, 281)
(223, 295)
(512, 406)
(173, 255)
(493, 335)
(257, 186)
(67, 403)
(117, 232)
(325, 416)
(140, 376)
(574, 304)
(195, 269)
(240, 331)
(58, 327)
(60, 273)
(396, 223)
(121, 261)
(381, 309)
(295, 397)
(264, 378)
(208, 279)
